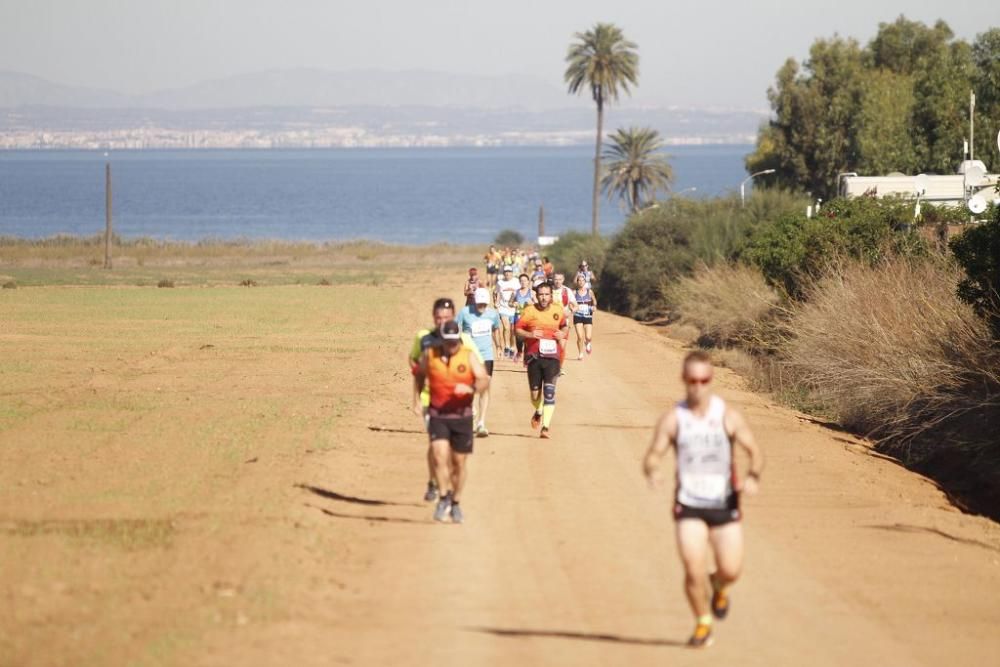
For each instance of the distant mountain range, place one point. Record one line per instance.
(311, 107)
(300, 88)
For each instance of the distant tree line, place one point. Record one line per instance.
(901, 103)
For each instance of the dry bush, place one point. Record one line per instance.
(891, 350)
(730, 304)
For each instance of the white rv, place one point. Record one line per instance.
(970, 186)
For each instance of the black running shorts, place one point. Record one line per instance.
(713, 517)
(456, 430)
(583, 319)
(542, 370)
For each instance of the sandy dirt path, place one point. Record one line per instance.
(567, 558)
(329, 556)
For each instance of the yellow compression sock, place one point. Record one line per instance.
(547, 411)
(705, 620)
(537, 403)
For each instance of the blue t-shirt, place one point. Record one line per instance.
(480, 328)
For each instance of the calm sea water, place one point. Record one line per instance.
(413, 195)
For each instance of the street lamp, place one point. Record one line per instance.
(743, 197)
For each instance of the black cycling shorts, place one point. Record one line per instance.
(456, 430)
(583, 319)
(713, 517)
(542, 370)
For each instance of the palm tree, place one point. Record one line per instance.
(606, 62)
(636, 169)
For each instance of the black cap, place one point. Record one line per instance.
(450, 331)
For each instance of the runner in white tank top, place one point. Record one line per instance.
(703, 430)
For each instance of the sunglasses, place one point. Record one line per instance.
(697, 380)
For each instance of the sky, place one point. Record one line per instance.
(700, 54)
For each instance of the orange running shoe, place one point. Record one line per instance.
(536, 420)
(702, 636)
(720, 600)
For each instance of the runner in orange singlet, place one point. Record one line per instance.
(454, 375)
(543, 328)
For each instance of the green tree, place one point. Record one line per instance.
(812, 136)
(978, 252)
(986, 58)
(884, 141)
(635, 167)
(606, 63)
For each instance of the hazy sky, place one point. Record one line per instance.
(691, 53)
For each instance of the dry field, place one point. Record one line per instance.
(218, 475)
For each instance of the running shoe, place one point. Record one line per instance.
(481, 431)
(536, 420)
(456, 514)
(590, 348)
(720, 600)
(702, 636)
(545, 433)
(579, 357)
(443, 508)
(432, 492)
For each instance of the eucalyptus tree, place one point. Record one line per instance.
(635, 167)
(604, 62)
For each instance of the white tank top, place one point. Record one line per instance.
(704, 457)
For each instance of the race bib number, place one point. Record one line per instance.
(583, 309)
(704, 487)
(481, 328)
(548, 348)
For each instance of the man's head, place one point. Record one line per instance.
(473, 272)
(443, 310)
(451, 336)
(580, 280)
(525, 280)
(558, 279)
(543, 292)
(508, 272)
(697, 375)
(493, 248)
(545, 259)
(482, 299)
(583, 266)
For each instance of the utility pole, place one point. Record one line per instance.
(541, 220)
(972, 126)
(107, 214)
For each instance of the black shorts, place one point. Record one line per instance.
(456, 430)
(713, 517)
(492, 270)
(583, 319)
(489, 367)
(542, 370)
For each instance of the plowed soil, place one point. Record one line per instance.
(226, 476)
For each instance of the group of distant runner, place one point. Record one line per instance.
(521, 312)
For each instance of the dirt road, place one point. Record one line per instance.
(328, 556)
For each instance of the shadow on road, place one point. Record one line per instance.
(386, 429)
(333, 495)
(906, 528)
(587, 636)
(380, 519)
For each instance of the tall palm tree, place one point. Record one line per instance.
(606, 62)
(635, 169)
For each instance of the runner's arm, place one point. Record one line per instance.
(663, 436)
(740, 434)
(482, 377)
(419, 377)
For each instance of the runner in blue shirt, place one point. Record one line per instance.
(483, 324)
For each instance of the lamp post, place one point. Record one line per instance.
(743, 197)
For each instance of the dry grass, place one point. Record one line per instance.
(892, 351)
(730, 304)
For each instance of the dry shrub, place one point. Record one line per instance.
(891, 350)
(730, 304)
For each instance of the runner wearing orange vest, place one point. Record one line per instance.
(454, 375)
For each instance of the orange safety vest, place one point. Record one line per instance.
(442, 376)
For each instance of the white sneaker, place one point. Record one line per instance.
(481, 431)
(579, 357)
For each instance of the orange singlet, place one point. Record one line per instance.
(549, 321)
(443, 373)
